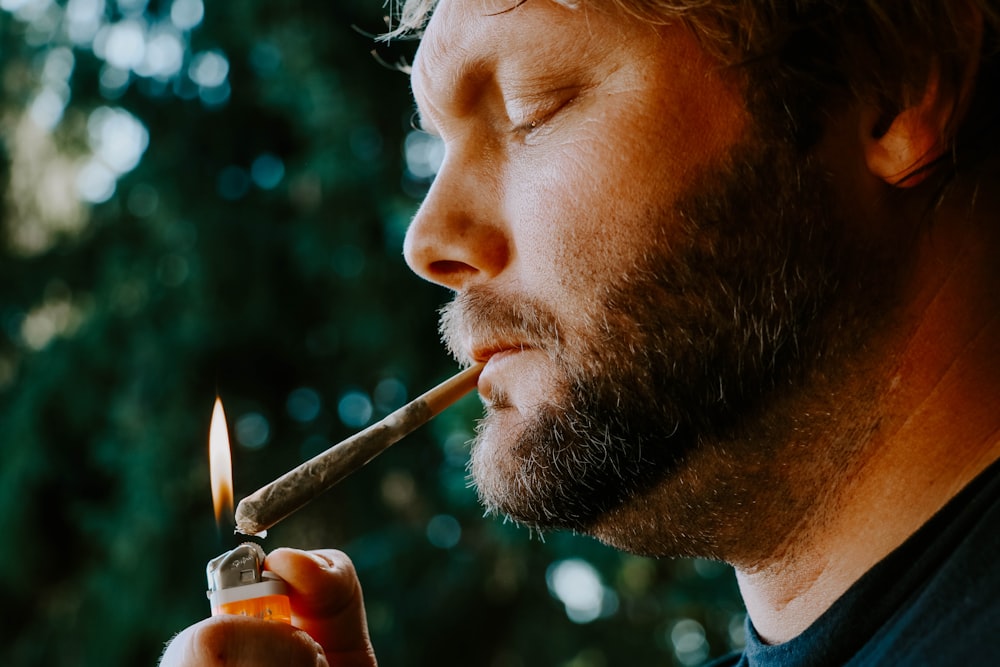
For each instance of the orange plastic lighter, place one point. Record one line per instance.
(238, 585)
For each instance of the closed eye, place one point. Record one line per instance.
(538, 121)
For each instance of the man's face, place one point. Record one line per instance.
(638, 267)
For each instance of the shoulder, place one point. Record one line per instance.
(951, 616)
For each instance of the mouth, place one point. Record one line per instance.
(485, 354)
(506, 365)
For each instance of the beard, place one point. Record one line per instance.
(669, 385)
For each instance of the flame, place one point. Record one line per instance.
(220, 464)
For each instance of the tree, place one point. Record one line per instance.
(203, 199)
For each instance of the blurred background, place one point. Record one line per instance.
(205, 198)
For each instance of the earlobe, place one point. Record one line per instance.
(915, 138)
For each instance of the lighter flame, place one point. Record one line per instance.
(220, 464)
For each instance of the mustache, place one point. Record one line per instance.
(479, 319)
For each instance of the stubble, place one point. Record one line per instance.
(677, 418)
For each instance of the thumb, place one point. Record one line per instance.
(326, 602)
(239, 640)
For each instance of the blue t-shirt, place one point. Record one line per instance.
(933, 602)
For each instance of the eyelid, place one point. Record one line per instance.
(541, 113)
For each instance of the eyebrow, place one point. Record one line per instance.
(467, 82)
(470, 79)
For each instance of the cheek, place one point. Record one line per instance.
(700, 105)
(568, 221)
(585, 210)
(592, 199)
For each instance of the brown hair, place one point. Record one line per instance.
(804, 56)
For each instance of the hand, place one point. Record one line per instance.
(328, 616)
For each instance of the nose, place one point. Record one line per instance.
(458, 236)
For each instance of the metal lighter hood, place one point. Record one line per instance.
(238, 584)
(240, 567)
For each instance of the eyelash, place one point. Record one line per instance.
(540, 120)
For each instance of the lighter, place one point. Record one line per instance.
(238, 584)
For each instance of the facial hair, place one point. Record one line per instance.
(747, 287)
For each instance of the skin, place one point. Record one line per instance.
(562, 125)
(812, 486)
(505, 220)
(328, 617)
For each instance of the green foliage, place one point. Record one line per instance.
(254, 251)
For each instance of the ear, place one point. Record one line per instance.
(914, 139)
(920, 134)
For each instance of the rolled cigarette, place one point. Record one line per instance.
(290, 492)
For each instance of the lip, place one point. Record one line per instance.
(485, 354)
(493, 357)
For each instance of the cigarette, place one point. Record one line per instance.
(290, 492)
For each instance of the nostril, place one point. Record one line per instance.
(454, 239)
(446, 268)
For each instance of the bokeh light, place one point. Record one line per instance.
(253, 430)
(303, 405)
(267, 171)
(424, 155)
(187, 14)
(444, 531)
(577, 584)
(202, 199)
(355, 409)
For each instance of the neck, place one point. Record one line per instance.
(937, 428)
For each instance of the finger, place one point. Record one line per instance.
(326, 602)
(231, 641)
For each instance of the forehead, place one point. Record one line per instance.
(480, 68)
(467, 40)
(458, 26)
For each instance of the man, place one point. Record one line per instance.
(732, 267)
